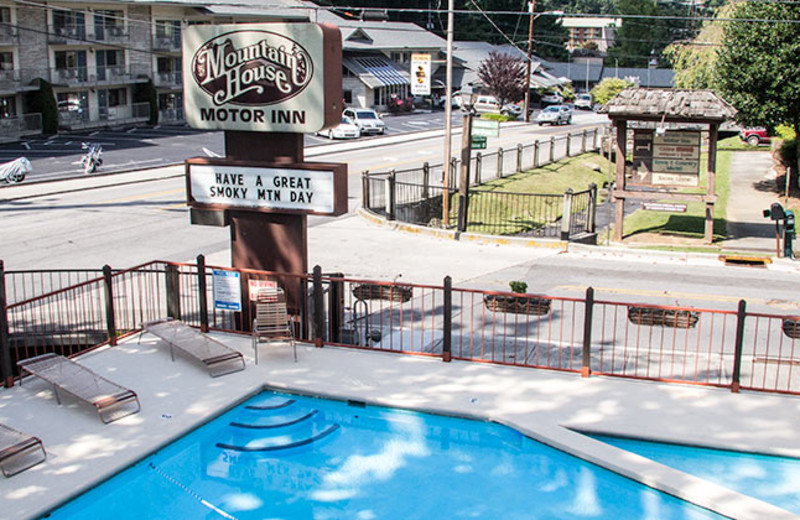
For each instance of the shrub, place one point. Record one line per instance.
(518, 286)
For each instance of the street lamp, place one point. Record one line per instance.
(468, 98)
(531, 7)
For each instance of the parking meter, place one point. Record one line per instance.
(788, 233)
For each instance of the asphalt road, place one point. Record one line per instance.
(59, 156)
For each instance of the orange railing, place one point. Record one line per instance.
(733, 349)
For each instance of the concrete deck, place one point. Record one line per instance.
(178, 396)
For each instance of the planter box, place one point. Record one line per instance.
(517, 304)
(791, 327)
(678, 319)
(395, 293)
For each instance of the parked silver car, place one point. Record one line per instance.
(555, 115)
(367, 120)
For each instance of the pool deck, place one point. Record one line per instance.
(178, 396)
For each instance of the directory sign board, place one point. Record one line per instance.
(304, 188)
(267, 77)
(671, 159)
(420, 74)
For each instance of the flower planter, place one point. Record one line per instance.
(395, 293)
(678, 319)
(791, 327)
(517, 304)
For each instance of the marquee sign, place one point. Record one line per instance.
(304, 188)
(671, 159)
(267, 77)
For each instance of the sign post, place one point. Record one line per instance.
(420, 74)
(265, 85)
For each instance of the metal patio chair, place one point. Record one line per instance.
(19, 451)
(218, 358)
(271, 322)
(111, 400)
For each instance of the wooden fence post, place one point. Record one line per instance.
(519, 157)
(478, 167)
(566, 215)
(499, 163)
(390, 195)
(426, 173)
(365, 189)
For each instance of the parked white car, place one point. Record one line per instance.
(555, 115)
(584, 101)
(491, 105)
(367, 120)
(346, 129)
(552, 98)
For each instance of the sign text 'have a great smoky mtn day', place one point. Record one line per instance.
(267, 77)
(315, 188)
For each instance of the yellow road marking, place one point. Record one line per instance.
(181, 205)
(661, 294)
(142, 196)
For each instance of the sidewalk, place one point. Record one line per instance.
(752, 190)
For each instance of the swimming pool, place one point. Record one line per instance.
(769, 478)
(296, 457)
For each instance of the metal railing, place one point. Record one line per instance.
(416, 195)
(12, 128)
(172, 79)
(118, 115)
(75, 310)
(171, 115)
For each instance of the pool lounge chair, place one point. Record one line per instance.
(271, 322)
(19, 451)
(218, 358)
(111, 400)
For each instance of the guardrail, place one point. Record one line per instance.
(416, 195)
(724, 348)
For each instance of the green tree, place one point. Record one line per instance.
(608, 88)
(695, 61)
(758, 70)
(503, 76)
(643, 36)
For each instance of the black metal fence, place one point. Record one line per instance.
(418, 195)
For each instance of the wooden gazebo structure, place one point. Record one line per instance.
(665, 159)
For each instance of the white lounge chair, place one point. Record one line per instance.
(19, 451)
(111, 400)
(218, 358)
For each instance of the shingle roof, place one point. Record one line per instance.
(702, 105)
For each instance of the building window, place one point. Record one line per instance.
(6, 61)
(5, 15)
(168, 32)
(69, 23)
(117, 97)
(400, 57)
(348, 96)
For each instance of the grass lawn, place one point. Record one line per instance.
(514, 214)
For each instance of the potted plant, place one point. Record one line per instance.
(656, 317)
(519, 302)
(388, 291)
(791, 327)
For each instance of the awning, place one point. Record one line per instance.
(376, 71)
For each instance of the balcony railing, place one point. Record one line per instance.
(169, 79)
(13, 128)
(171, 115)
(62, 34)
(110, 116)
(20, 79)
(111, 34)
(167, 43)
(98, 76)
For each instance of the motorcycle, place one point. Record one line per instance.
(93, 158)
(15, 171)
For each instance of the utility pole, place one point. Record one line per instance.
(448, 112)
(532, 6)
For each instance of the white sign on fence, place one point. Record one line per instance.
(227, 290)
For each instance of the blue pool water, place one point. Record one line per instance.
(281, 456)
(772, 479)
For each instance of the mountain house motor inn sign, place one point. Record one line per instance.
(263, 77)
